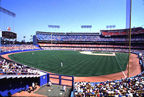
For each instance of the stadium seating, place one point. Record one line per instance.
(5, 48)
(119, 32)
(15, 77)
(129, 87)
(106, 35)
(11, 68)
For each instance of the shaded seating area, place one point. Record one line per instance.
(14, 84)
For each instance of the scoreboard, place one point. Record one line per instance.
(9, 35)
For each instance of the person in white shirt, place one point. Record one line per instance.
(49, 83)
(64, 88)
(33, 85)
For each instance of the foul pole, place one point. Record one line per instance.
(128, 26)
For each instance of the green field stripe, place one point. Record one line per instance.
(93, 67)
(77, 67)
(120, 62)
(122, 59)
(87, 68)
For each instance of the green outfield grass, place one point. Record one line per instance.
(74, 63)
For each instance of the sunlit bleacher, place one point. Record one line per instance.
(12, 47)
(12, 68)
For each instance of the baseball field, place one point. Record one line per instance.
(73, 62)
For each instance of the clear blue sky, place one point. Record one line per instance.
(36, 15)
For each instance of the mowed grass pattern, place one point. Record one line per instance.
(74, 63)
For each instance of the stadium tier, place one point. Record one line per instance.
(48, 36)
(121, 32)
(106, 35)
(96, 41)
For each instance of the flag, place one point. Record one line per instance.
(61, 64)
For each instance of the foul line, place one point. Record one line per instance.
(121, 69)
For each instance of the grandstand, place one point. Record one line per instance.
(92, 40)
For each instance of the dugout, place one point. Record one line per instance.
(11, 84)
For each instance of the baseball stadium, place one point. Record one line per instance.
(73, 64)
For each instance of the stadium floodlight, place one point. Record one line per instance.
(86, 26)
(114, 26)
(54, 26)
(110, 26)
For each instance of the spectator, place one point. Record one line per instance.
(64, 88)
(50, 83)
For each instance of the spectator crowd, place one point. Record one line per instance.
(129, 87)
(85, 37)
(11, 68)
(6, 48)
